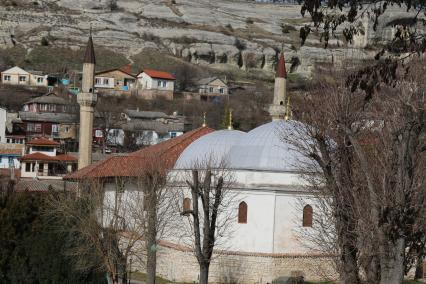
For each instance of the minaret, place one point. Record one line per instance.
(87, 100)
(278, 109)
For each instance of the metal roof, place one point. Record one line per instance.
(48, 117)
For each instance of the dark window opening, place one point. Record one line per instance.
(242, 213)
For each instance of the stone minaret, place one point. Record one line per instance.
(87, 100)
(278, 107)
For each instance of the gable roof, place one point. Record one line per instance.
(34, 185)
(43, 157)
(132, 164)
(16, 70)
(49, 98)
(208, 80)
(145, 114)
(123, 69)
(10, 152)
(42, 141)
(56, 117)
(159, 74)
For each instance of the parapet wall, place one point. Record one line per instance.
(178, 264)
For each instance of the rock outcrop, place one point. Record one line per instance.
(239, 33)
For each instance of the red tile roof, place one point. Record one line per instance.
(43, 157)
(166, 152)
(42, 142)
(159, 74)
(281, 72)
(66, 158)
(16, 152)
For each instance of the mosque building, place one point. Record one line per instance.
(271, 205)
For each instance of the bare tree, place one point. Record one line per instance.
(110, 220)
(368, 150)
(209, 210)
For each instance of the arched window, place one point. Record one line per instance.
(307, 216)
(186, 206)
(242, 213)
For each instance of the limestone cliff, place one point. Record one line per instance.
(222, 32)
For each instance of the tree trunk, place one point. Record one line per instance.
(151, 240)
(204, 273)
(349, 274)
(392, 261)
(419, 268)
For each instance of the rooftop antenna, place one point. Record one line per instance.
(90, 30)
(230, 120)
(204, 119)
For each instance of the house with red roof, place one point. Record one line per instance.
(41, 160)
(153, 83)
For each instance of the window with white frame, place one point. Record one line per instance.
(221, 90)
(30, 127)
(211, 89)
(106, 81)
(40, 80)
(43, 107)
(98, 81)
(37, 127)
(6, 77)
(55, 128)
(22, 78)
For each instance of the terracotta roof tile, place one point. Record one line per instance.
(17, 152)
(159, 74)
(66, 158)
(131, 165)
(42, 141)
(43, 157)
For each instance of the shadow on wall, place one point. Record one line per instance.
(297, 278)
(231, 270)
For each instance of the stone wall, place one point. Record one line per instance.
(178, 264)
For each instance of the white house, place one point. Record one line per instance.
(154, 83)
(41, 160)
(18, 76)
(212, 86)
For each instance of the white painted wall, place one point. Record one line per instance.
(11, 76)
(104, 82)
(146, 82)
(48, 153)
(3, 119)
(4, 162)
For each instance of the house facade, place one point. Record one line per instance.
(9, 158)
(153, 83)
(42, 160)
(115, 81)
(18, 76)
(48, 115)
(212, 86)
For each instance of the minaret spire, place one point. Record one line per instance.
(278, 109)
(87, 100)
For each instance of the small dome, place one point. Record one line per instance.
(264, 149)
(213, 147)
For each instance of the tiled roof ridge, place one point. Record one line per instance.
(184, 248)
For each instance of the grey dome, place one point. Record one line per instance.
(264, 149)
(213, 147)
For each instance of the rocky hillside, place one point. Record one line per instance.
(222, 33)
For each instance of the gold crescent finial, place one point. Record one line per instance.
(230, 120)
(204, 119)
(288, 109)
